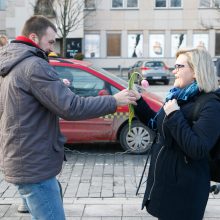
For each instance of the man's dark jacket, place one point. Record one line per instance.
(179, 178)
(32, 98)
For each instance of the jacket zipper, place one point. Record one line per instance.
(157, 160)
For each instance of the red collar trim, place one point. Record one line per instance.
(27, 40)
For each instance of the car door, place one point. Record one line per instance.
(85, 84)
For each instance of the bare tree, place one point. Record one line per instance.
(214, 23)
(69, 15)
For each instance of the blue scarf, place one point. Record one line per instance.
(183, 94)
(179, 94)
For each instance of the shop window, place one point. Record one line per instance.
(217, 44)
(113, 44)
(156, 45)
(135, 45)
(201, 41)
(178, 41)
(92, 45)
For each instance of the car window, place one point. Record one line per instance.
(154, 64)
(81, 82)
(110, 76)
(114, 90)
(139, 63)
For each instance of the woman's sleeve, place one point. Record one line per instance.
(143, 111)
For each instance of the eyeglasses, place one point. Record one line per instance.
(178, 66)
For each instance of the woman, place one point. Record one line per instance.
(179, 180)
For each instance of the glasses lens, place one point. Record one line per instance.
(178, 66)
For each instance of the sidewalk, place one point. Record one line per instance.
(97, 187)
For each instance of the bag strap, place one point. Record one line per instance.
(200, 101)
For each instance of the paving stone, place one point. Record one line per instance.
(14, 218)
(26, 218)
(3, 209)
(73, 218)
(111, 218)
(131, 218)
(91, 218)
(103, 210)
(12, 212)
(106, 193)
(83, 190)
(133, 210)
(73, 210)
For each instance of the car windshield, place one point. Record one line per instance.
(116, 78)
(110, 75)
(154, 64)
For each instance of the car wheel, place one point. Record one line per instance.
(166, 82)
(138, 140)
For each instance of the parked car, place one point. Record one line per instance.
(152, 71)
(85, 79)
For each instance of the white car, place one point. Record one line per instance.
(152, 71)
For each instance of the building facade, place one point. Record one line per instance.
(117, 33)
(124, 31)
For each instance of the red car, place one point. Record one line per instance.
(85, 79)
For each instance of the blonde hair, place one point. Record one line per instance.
(3, 40)
(200, 61)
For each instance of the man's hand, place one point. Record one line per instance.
(171, 106)
(125, 97)
(66, 82)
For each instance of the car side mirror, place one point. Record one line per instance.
(103, 92)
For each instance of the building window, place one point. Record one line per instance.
(135, 45)
(209, 3)
(89, 4)
(156, 45)
(178, 41)
(160, 3)
(73, 46)
(92, 45)
(2, 5)
(114, 45)
(175, 3)
(217, 44)
(200, 41)
(168, 3)
(124, 3)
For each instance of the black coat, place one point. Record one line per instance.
(179, 179)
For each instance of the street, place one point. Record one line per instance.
(160, 89)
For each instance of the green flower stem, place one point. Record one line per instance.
(130, 106)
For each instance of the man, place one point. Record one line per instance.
(32, 98)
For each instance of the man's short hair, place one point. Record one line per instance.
(37, 24)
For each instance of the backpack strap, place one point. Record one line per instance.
(200, 101)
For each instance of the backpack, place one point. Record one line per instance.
(214, 155)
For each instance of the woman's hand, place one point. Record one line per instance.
(171, 106)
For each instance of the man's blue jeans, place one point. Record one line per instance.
(43, 199)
